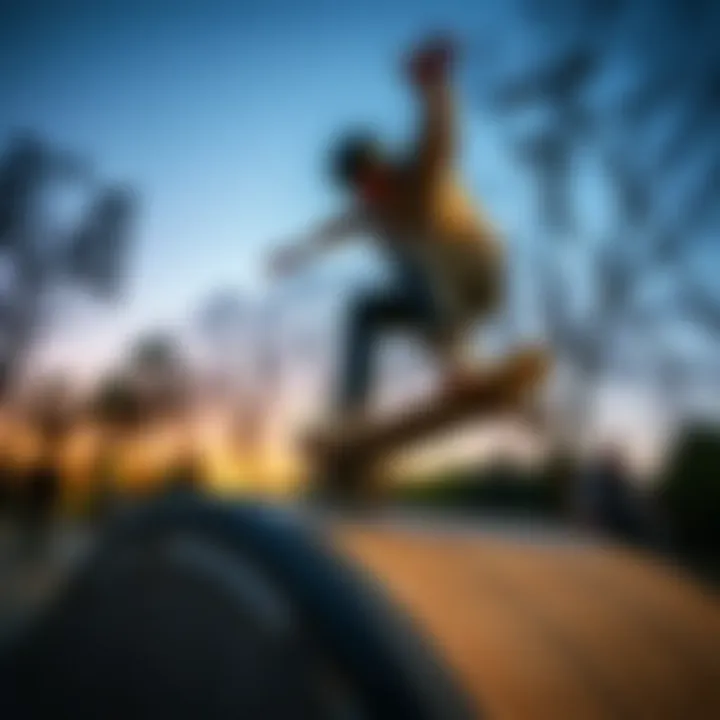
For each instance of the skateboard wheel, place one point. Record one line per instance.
(195, 610)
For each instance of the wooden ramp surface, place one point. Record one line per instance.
(556, 631)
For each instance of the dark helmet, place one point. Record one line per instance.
(351, 154)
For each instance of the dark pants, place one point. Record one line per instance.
(410, 302)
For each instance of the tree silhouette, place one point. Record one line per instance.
(654, 223)
(91, 257)
(235, 329)
(159, 372)
(150, 387)
(115, 404)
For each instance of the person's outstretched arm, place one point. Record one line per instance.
(430, 72)
(294, 255)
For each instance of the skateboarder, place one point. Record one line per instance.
(448, 262)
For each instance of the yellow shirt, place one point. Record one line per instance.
(440, 226)
(431, 213)
(424, 211)
(462, 248)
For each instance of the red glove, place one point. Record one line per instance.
(432, 61)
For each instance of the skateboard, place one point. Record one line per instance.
(346, 457)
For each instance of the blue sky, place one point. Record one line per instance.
(217, 112)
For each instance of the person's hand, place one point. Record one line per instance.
(285, 261)
(432, 60)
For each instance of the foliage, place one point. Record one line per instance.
(494, 488)
(619, 283)
(117, 404)
(690, 491)
(90, 257)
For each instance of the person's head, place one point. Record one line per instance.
(359, 163)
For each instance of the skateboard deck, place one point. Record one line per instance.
(350, 449)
